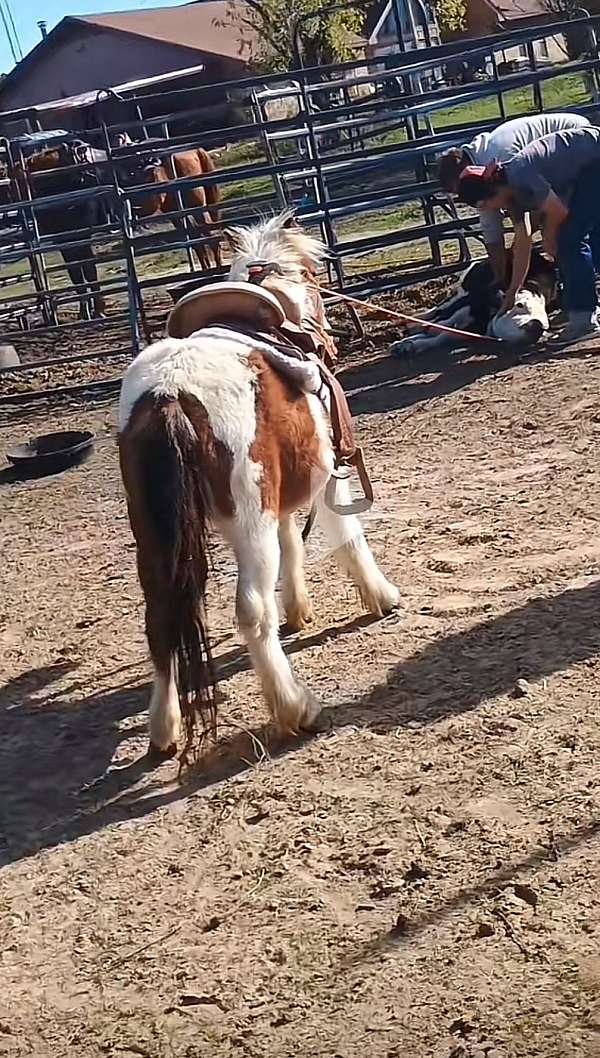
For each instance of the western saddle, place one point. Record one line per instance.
(266, 309)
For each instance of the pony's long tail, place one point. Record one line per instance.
(177, 503)
(212, 192)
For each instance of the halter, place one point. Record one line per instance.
(259, 270)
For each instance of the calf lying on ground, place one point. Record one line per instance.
(474, 308)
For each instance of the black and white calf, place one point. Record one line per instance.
(475, 305)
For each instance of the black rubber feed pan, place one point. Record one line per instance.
(51, 452)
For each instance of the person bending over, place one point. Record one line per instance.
(506, 141)
(557, 178)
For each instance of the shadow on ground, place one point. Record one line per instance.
(406, 929)
(387, 384)
(54, 784)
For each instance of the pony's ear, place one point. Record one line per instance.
(290, 222)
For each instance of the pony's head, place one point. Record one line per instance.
(278, 241)
(280, 245)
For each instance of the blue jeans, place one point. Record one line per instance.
(575, 258)
(595, 244)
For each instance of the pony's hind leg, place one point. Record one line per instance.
(216, 249)
(197, 228)
(346, 540)
(164, 714)
(296, 603)
(215, 244)
(290, 704)
(164, 710)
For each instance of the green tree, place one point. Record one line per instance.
(451, 16)
(287, 34)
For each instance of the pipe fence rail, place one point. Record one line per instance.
(352, 147)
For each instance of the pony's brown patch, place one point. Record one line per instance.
(286, 443)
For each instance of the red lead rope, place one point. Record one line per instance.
(371, 307)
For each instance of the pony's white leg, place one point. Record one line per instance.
(164, 712)
(289, 703)
(296, 603)
(345, 537)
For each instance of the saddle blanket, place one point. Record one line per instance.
(304, 374)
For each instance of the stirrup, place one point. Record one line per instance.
(342, 471)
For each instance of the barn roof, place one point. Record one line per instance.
(206, 26)
(86, 99)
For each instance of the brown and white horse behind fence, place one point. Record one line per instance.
(211, 434)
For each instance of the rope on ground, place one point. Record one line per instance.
(370, 306)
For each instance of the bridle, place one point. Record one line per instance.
(259, 270)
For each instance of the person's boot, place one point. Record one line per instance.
(581, 325)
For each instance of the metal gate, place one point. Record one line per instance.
(352, 147)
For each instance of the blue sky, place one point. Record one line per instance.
(27, 13)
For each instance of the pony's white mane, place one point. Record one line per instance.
(270, 240)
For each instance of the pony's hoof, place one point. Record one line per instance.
(312, 711)
(298, 615)
(296, 713)
(318, 724)
(156, 755)
(381, 600)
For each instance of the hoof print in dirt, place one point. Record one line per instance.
(462, 1026)
(416, 874)
(484, 930)
(211, 924)
(526, 894)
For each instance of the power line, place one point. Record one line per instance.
(11, 42)
(14, 28)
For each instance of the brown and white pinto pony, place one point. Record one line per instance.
(204, 199)
(211, 435)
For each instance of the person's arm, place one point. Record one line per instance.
(497, 255)
(555, 213)
(521, 257)
(528, 185)
(492, 230)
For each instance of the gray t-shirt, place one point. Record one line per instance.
(504, 143)
(552, 164)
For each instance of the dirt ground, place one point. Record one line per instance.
(419, 880)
